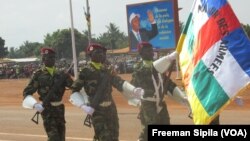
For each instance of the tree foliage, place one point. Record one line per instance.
(27, 49)
(247, 29)
(113, 38)
(61, 41)
(3, 50)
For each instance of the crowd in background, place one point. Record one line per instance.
(13, 70)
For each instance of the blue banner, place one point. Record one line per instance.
(160, 32)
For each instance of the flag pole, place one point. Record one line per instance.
(73, 42)
(88, 19)
(176, 7)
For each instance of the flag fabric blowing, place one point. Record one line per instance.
(214, 58)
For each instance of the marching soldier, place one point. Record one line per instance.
(150, 76)
(97, 79)
(50, 85)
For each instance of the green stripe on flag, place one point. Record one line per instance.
(190, 16)
(182, 38)
(189, 31)
(208, 90)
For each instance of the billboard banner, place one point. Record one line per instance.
(152, 22)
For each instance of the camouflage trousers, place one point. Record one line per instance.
(54, 122)
(148, 115)
(106, 124)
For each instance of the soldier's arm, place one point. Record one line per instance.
(32, 86)
(131, 93)
(117, 82)
(138, 80)
(69, 80)
(77, 98)
(28, 100)
(124, 86)
(128, 90)
(174, 91)
(78, 83)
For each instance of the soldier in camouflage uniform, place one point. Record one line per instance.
(97, 79)
(42, 82)
(153, 108)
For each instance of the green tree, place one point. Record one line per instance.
(61, 41)
(86, 33)
(247, 29)
(13, 53)
(113, 38)
(3, 50)
(29, 49)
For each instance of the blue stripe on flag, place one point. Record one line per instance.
(212, 5)
(239, 47)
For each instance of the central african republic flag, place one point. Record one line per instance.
(214, 58)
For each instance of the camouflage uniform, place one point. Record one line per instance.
(105, 118)
(143, 77)
(53, 116)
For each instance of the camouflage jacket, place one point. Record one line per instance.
(42, 82)
(91, 79)
(142, 77)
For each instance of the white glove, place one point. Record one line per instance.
(87, 109)
(239, 101)
(134, 102)
(172, 56)
(39, 107)
(138, 93)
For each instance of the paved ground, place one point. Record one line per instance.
(15, 123)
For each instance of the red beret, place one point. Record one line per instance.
(143, 44)
(94, 46)
(46, 51)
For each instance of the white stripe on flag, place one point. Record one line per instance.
(229, 74)
(199, 17)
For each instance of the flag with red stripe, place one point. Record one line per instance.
(214, 58)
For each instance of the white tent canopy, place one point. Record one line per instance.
(18, 60)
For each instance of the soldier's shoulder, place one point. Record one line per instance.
(137, 65)
(37, 71)
(87, 68)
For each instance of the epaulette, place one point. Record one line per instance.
(137, 65)
(88, 67)
(37, 71)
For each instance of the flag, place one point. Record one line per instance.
(214, 58)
